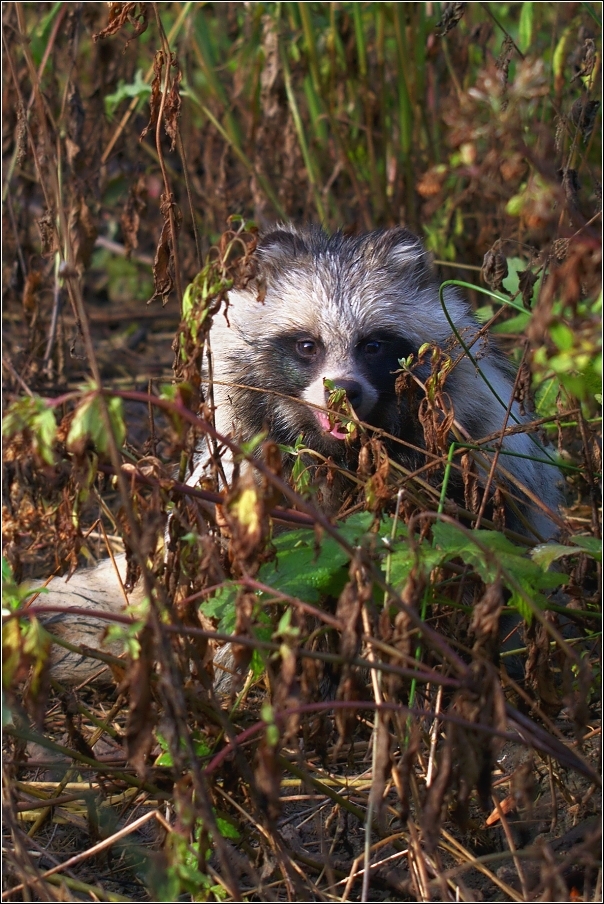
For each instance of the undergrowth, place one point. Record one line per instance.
(370, 737)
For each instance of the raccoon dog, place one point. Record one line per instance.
(348, 309)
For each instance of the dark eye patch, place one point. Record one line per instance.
(378, 355)
(384, 344)
(373, 347)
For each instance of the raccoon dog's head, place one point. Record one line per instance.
(345, 309)
(348, 309)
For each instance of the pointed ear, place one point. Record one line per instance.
(402, 248)
(404, 255)
(281, 246)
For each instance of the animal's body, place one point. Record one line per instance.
(348, 310)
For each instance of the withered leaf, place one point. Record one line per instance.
(485, 621)
(403, 772)
(505, 56)
(571, 185)
(119, 14)
(82, 232)
(450, 16)
(588, 60)
(156, 94)
(244, 607)
(471, 487)
(76, 738)
(526, 283)
(163, 265)
(560, 248)
(131, 214)
(495, 268)
(348, 612)
(436, 417)
(173, 104)
(21, 134)
(539, 669)
(48, 233)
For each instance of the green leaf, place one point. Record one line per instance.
(547, 553)
(227, 829)
(495, 556)
(559, 57)
(403, 559)
(88, 425)
(591, 545)
(525, 28)
(11, 651)
(222, 608)
(516, 324)
(545, 397)
(138, 88)
(563, 336)
(302, 571)
(34, 416)
(41, 33)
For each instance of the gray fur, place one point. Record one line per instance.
(341, 291)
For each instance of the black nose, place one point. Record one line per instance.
(354, 391)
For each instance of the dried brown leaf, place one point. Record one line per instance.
(588, 59)
(495, 268)
(471, 486)
(526, 283)
(173, 104)
(76, 738)
(131, 215)
(485, 622)
(82, 232)
(119, 14)
(33, 282)
(156, 93)
(48, 233)
(163, 265)
(504, 59)
(450, 16)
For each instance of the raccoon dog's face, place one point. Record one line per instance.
(326, 307)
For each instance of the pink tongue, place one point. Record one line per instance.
(323, 420)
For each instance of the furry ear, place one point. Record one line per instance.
(280, 247)
(401, 248)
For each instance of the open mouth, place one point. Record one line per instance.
(337, 430)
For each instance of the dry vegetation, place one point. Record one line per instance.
(380, 750)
